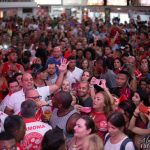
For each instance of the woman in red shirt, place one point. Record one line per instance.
(101, 108)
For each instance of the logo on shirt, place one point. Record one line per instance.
(32, 141)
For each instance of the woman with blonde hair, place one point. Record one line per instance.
(92, 142)
(101, 108)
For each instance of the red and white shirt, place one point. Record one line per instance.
(35, 131)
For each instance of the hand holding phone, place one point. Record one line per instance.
(144, 109)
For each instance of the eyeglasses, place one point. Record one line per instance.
(36, 97)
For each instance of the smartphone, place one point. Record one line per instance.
(143, 108)
(97, 81)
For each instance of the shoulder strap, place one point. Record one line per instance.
(106, 139)
(124, 143)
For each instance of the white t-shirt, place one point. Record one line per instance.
(4, 102)
(35, 131)
(17, 98)
(2, 119)
(110, 146)
(74, 75)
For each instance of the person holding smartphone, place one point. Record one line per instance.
(140, 132)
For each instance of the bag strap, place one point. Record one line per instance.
(106, 139)
(124, 143)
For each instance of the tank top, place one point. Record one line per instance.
(61, 122)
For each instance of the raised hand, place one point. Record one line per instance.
(63, 66)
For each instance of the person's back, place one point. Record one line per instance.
(35, 130)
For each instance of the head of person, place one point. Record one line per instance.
(28, 109)
(84, 127)
(136, 98)
(79, 45)
(13, 86)
(89, 53)
(125, 58)
(127, 108)
(101, 64)
(51, 69)
(33, 95)
(72, 62)
(92, 142)
(15, 125)
(116, 123)
(26, 38)
(144, 65)
(148, 87)
(107, 50)
(132, 61)
(62, 100)
(12, 55)
(74, 52)
(79, 52)
(7, 141)
(37, 60)
(18, 77)
(122, 79)
(54, 140)
(102, 102)
(128, 48)
(27, 81)
(117, 63)
(85, 64)
(83, 88)
(39, 72)
(66, 86)
(42, 45)
(86, 75)
(143, 84)
(57, 52)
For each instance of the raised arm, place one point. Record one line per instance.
(135, 129)
(62, 70)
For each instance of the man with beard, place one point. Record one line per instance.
(84, 99)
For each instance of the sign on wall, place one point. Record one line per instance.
(48, 2)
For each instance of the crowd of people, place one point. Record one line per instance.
(66, 85)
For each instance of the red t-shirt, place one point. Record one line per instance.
(100, 120)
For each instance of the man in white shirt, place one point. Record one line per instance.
(74, 73)
(13, 106)
(13, 87)
(2, 119)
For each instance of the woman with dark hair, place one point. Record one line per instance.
(117, 65)
(86, 75)
(116, 138)
(54, 140)
(85, 64)
(64, 115)
(84, 127)
(145, 67)
(89, 54)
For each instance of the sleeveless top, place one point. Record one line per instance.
(61, 122)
